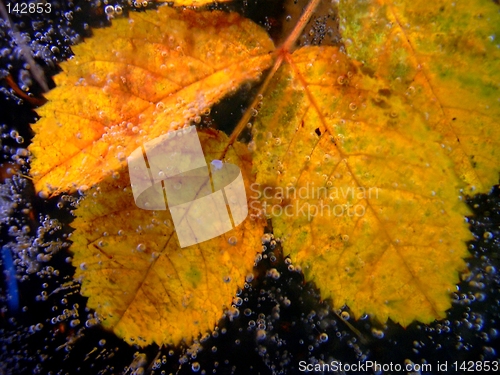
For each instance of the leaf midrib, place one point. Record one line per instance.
(344, 159)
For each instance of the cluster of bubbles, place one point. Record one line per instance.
(37, 42)
(31, 247)
(274, 318)
(43, 314)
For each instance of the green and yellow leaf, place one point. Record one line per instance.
(445, 58)
(366, 203)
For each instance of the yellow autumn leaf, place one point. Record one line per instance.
(153, 73)
(140, 282)
(377, 217)
(444, 57)
(366, 203)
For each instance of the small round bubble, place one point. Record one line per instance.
(345, 315)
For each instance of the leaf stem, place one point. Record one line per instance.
(248, 113)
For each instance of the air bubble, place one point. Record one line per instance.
(377, 333)
(217, 164)
(487, 235)
(260, 335)
(345, 315)
(491, 270)
(82, 189)
(22, 152)
(274, 273)
(266, 238)
(195, 367)
(43, 194)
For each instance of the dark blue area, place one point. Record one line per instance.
(10, 280)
